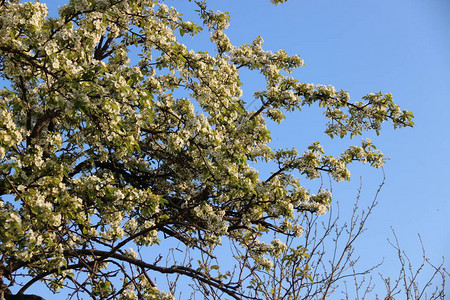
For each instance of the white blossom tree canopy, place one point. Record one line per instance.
(114, 134)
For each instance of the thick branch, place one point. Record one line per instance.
(205, 278)
(42, 122)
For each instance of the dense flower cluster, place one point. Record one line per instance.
(100, 148)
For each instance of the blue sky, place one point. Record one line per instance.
(396, 46)
(401, 47)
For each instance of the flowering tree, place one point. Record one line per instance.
(102, 150)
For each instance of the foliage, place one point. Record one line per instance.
(102, 150)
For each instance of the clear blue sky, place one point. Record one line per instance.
(396, 46)
(401, 47)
